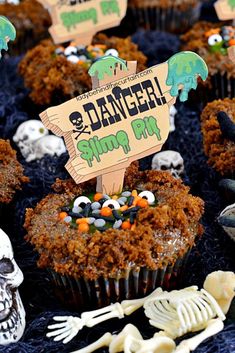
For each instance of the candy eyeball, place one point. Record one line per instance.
(149, 196)
(111, 204)
(70, 50)
(214, 39)
(73, 59)
(112, 52)
(81, 201)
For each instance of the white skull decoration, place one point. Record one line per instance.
(51, 144)
(170, 161)
(173, 113)
(34, 141)
(12, 314)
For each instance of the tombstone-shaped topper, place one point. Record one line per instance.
(79, 20)
(125, 119)
(225, 9)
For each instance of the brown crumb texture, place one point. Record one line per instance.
(11, 172)
(163, 233)
(31, 21)
(53, 79)
(196, 40)
(182, 5)
(219, 150)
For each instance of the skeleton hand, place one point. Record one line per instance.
(68, 328)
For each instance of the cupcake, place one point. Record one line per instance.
(103, 248)
(165, 15)
(11, 173)
(56, 74)
(31, 21)
(211, 42)
(218, 129)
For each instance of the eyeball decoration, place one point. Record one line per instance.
(101, 211)
(220, 39)
(112, 204)
(112, 52)
(81, 201)
(149, 196)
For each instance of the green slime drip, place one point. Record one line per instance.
(6, 30)
(183, 69)
(231, 4)
(106, 66)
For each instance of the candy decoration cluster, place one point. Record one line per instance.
(101, 212)
(85, 55)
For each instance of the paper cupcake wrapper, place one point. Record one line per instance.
(170, 19)
(222, 86)
(78, 294)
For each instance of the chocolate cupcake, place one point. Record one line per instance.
(165, 15)
(11, 178)
(100, 248)
(56, 74)
(211, 42)
(218, 129)
(31, 21)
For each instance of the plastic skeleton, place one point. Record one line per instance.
(175, 313)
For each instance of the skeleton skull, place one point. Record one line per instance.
(76, 120)
(30, 131)
(26, 135)
(34, 142)
(170, 161)
(12, 314)
(173, 113)
(51, 144)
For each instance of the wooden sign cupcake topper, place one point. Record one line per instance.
(225, 9)
(80, 20)
(125, 119)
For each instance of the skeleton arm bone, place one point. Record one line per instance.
(69, 326)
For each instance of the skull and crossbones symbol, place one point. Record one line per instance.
(77, 121)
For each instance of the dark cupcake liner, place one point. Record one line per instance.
(170, 19)
(77, 294)
(222, 86)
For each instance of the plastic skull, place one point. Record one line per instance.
(173, 113)
(12, 314)
(26, 135)
(170, 161)
(51, 145)
(29, 131)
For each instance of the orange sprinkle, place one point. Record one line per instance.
(106, 211)
(126, 225)
(123, 208)
(83, 227)
(231, 42)
(136, 200)
(82, 220)
(134, 193)
(98, 196)
(133, 226)
(142, 203)
(62, 215)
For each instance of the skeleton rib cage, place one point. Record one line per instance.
(180, 312)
